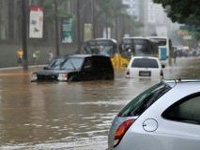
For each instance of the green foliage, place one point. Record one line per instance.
(113, 9)
(49, 7)
(182, 11)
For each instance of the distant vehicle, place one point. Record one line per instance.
(144, 67)
(164, 47)
(77, 67)
(137, 46)
(105, 47)
(164, 117)
(100, 46)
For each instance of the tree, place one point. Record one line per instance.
(113, 12)
(182, 11)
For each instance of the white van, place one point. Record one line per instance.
(144, 67)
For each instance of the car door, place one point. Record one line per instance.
(87, 69)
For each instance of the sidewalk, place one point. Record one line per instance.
(18, 70)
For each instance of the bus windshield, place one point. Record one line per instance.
(137, 47)
(160, 42)
(105, 47)
(136, 44)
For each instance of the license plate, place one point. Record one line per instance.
(145, 73)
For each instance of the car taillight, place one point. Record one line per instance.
(121, 131)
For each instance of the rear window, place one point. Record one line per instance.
(143, 101)
(103, 63)
(144, 63)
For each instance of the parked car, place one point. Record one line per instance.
(164, 117)
(77, 67)
(144, 67)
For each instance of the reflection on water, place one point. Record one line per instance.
(66, 115)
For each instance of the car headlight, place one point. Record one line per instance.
(34, 77)
(62, 77)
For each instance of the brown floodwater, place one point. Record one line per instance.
(69, 115)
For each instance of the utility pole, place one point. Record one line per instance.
(24, 35)
(106, 26)
(56, 28)
(78, 25)
(93, 19)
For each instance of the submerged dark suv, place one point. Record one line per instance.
(77, 67)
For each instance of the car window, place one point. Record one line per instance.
(72, 64)
(87, 64)
(186, 110)
(55, 63)
(100, 63)
(139, 104)
(144, 63)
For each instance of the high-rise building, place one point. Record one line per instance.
(152, 16)
(133, 7)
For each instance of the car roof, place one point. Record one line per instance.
(188, 82)
(135, 37)
(139, 57)
(86, 55)
(79, 55)
(180, 88)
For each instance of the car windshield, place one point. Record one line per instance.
(144, 63)
(55, 64)
(72, 64)
(139, 104)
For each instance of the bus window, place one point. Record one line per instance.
(164, 46)
(138, 47)
(106, 47)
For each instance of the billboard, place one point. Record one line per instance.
(67, 24)
(87, 32)
(36, 22)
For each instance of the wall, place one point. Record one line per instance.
(8, 52)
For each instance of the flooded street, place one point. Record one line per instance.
(39, 116)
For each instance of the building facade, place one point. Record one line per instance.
(133, 7)
(152, 16)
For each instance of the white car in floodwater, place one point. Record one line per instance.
(144, 67)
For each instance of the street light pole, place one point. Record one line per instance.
(93, 19)
(56, 29)
(24, 35)
(78, 25)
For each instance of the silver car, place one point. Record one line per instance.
(164, 117)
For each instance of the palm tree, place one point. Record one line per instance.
(111, 11)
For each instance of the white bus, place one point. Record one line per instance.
(164, 48)
(138, 46)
